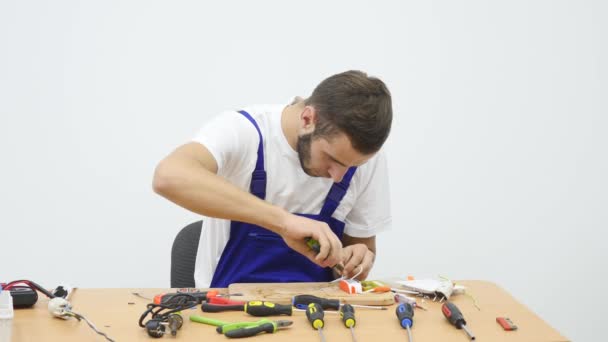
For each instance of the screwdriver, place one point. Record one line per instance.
(401, 298)
(314, 313)
(405, 315)
(254, 308)
(302, 301)
(260, 308)
(347, 314)
(315, 246)
(451, 312)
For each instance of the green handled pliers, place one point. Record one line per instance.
(254, 328)
(243, 329)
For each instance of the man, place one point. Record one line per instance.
(267, 178)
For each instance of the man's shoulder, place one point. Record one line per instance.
(262, 111)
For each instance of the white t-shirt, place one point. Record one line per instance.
(233, 142)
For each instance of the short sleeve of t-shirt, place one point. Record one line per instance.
(371, 211)
(233, 142)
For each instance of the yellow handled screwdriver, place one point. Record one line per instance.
(315, 315)
(347, 314)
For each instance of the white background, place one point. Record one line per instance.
(497, 157)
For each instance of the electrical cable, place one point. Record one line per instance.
(166, 314)
(79, 317)
(31, 284)
(137, 294)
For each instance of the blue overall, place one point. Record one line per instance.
(256, 255)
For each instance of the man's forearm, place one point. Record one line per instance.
(201, 191)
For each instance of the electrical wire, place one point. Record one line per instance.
(178, 302)
(34, 286)
(31, 284)
(81, 317)
(351, 278)
(137, 294)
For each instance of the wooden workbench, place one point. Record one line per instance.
(116, 312)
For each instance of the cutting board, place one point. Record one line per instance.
(282, 293)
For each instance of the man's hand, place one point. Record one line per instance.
(356, 256)
(297, 228)
(358, 251)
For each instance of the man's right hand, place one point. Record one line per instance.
(296, 229)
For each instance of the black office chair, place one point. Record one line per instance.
(183, 255)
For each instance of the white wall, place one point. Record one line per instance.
(498, 153)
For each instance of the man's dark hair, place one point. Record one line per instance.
(355, 104)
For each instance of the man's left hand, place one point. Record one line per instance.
(356, 256)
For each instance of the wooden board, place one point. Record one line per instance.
(283, 293)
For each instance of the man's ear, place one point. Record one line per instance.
(308, 120)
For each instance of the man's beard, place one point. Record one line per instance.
(303, 149)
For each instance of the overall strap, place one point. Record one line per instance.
(258, 177)
(336, 193)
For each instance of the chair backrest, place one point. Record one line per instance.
(183, 255)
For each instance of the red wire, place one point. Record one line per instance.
(30, 284)
(16, 282)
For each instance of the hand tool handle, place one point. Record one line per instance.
(251, 331)
(241, 325)
(315, 246)
(223, 300)
(451, 312)
(302, 301)
(315, 315)
(405, 315)
(205, 320)
(262, 309)
(206, 307)
(347, 314)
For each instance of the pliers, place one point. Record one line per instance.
(243, 329)
(246, 329)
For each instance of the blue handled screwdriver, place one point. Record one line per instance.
(405, 315)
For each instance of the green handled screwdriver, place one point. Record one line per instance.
(347, 314)
(315, 246)
(315, 315)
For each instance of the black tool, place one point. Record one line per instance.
(405, 315)
(207, 307)
(455, 317)
(302, 302)
(262, 309)
(347, 314)
(315, 315)
(254, 308)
